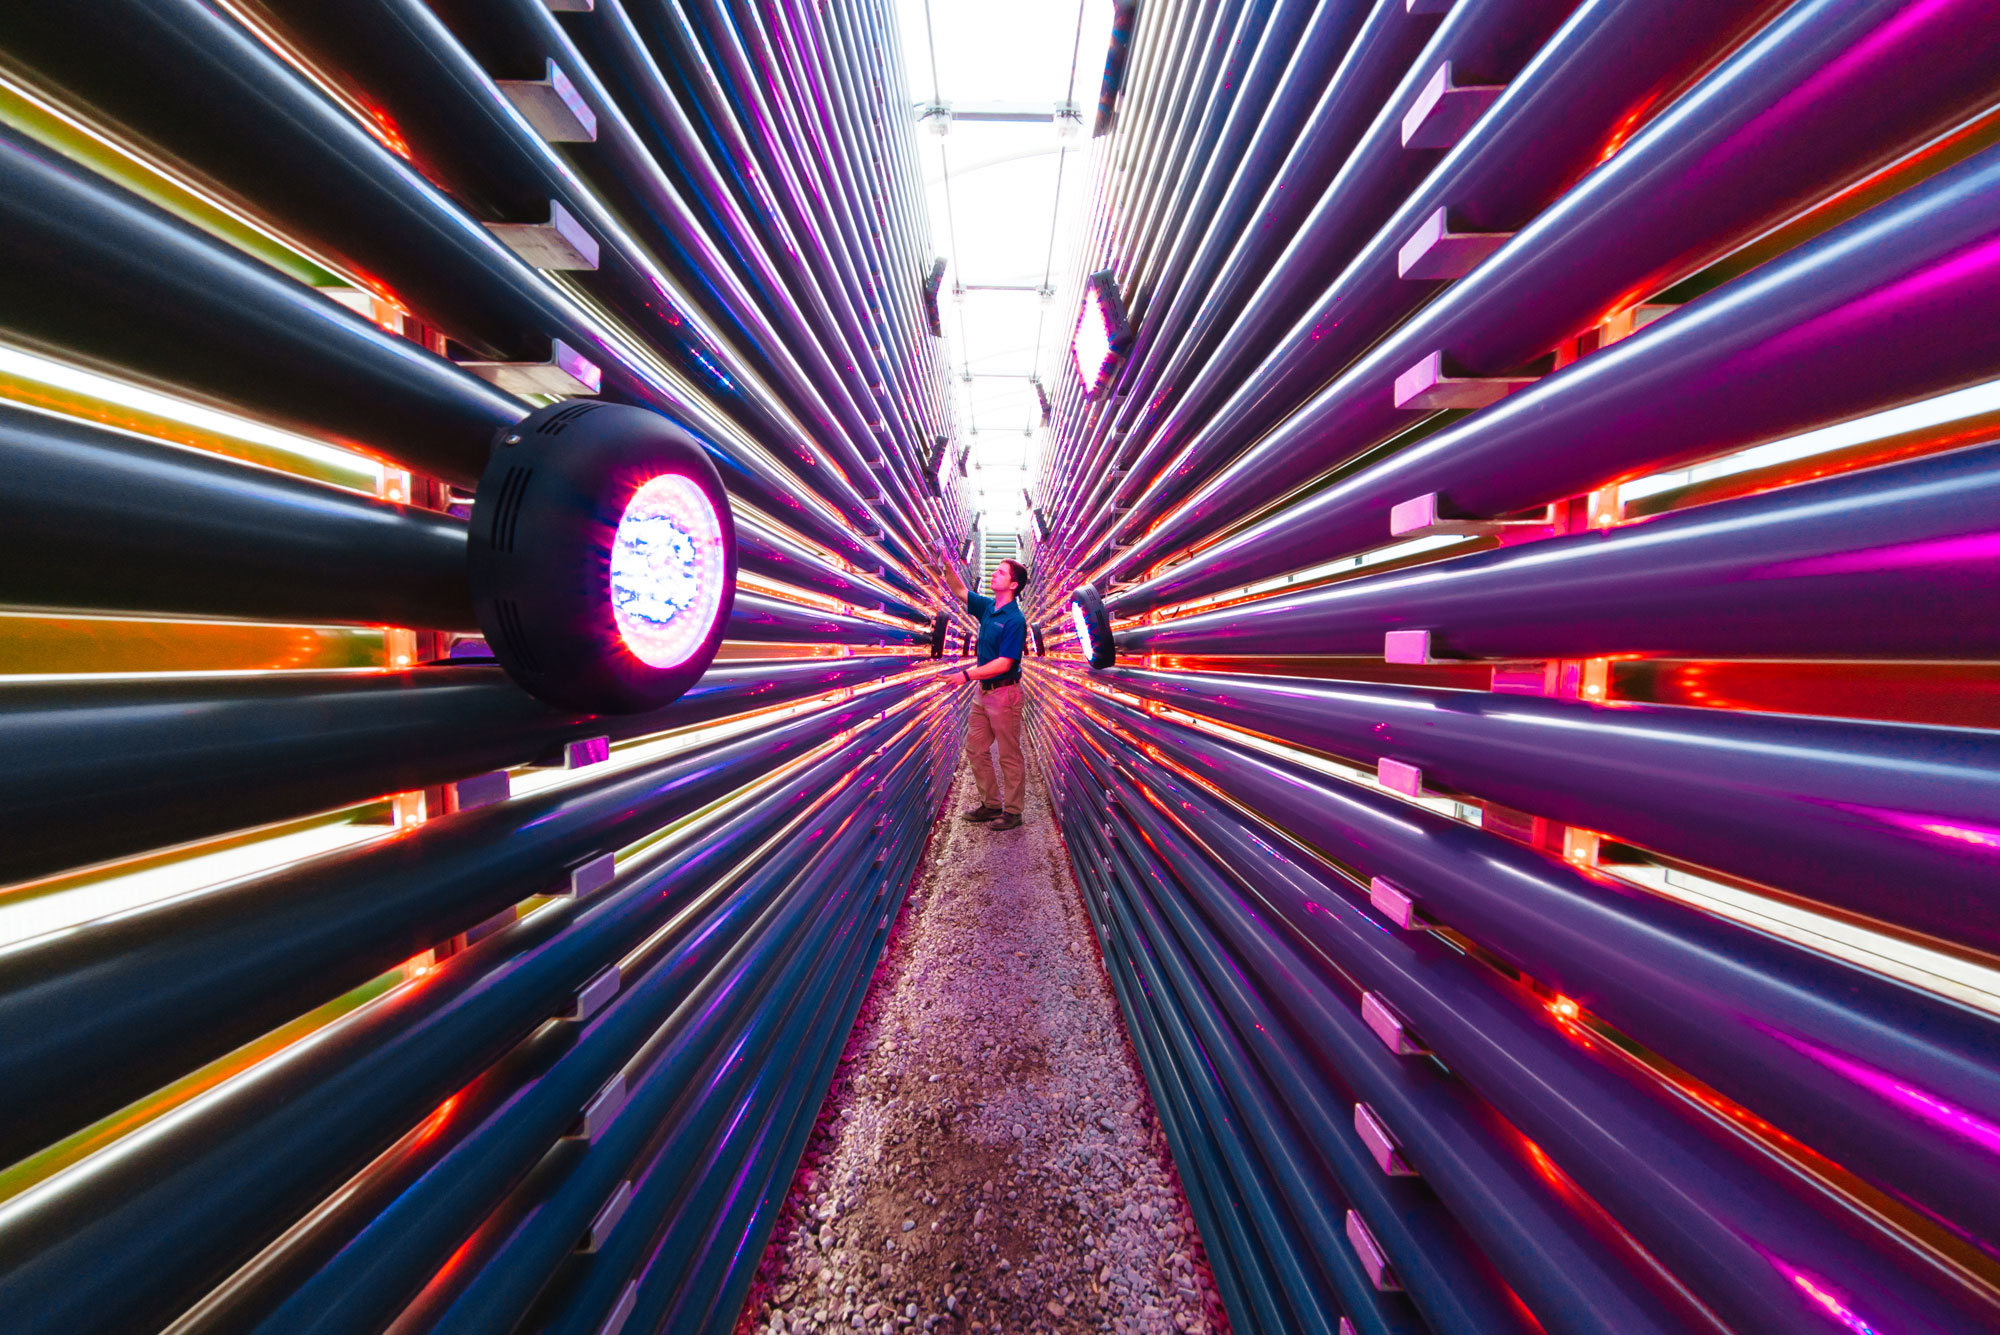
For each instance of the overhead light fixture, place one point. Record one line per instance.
(1102, 335)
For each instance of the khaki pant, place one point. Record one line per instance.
(996, 717)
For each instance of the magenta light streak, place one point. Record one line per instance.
(1967, 549)
(1906, 1096)
(1823, 1297)
(1940, 827)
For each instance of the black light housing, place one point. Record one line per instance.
(1093, 628)
(602, 557)
(939, 625)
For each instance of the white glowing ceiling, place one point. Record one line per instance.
(1006, 202)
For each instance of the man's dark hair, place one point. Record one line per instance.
(1020, 573)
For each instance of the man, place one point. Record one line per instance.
(996, 714)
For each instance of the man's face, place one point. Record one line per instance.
(1003, 578)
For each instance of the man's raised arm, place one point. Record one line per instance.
(952, 579)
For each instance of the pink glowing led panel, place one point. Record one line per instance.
(1092, 346)
(667, 565)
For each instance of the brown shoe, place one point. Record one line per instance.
(982, 812)
(1009, 820)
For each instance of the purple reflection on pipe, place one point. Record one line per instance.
(1924, 1104)
(1965, 550)
(1983, 836)
(1883, 44)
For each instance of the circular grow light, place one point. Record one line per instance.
(602, 557)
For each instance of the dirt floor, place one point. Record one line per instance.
(988, 1159)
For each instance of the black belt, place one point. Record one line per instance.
(994, 683)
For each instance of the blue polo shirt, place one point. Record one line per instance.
(1002, 634)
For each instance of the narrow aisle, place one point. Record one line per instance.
(988, 1159)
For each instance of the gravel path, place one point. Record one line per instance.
(988, 1159)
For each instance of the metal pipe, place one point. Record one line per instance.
(102, 274)
(1287, 76)
(1601, 74)
(112, 522)
(1899, 550)
(687, 1082)
(1289, 1248)
(1786, 1032)
(103, 768)
(1874, 313)
(322, 1111)
(98, 519)
(1450, 1283)
(237, 961)
(776, 620)
(718, 971)
(672, 1176)
(1691, 1198)
(1846, 813)
(622, 170)
(1241, 1258)
(1573, 1272)
(1337, 187)
(475, 141)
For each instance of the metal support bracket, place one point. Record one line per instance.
(1427, 387)
(553, 106)
(1425, 515)
(566, 374)
(1444, 111)
(560, 243)
(1434, 251)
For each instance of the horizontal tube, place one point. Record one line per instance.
(755, 617)
(1257, 1252)
(102, 274)
(1451, 1284)
(234, 962)
(1301, 1257)
(109, 522)
(800, 954)
(774, 556)
(319, 1112)
(1879, 563)
(1286, 168)
(102, 768)
(465, 135)
(105, 521)
(1780, 1029)
(688, 1170)
(1850, 814)
(1601, 74)
(1578, 1276)
(1319, 231)
(1877, 312)
(629, 183)
(1713, 1210)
